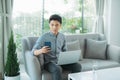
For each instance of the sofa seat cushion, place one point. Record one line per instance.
(47, 76)
(101, 64)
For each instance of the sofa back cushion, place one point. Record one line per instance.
(69, 38)
(74, 45)
(31, 42)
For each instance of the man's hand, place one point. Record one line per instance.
(43, 50)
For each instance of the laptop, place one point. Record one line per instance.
(69, 57)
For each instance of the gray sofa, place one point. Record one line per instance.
(110, 59)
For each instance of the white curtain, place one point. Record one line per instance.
(0, 39)
(6, 13)
(99, 22)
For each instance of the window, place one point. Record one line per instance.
(30, 17)
(26, 19)
(77, 14)
(89, 15)
(70, 10)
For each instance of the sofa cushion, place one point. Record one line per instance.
(101, 64)
(33, 66)
(47, 75)
(73, 45)
(95, 49)
(41, 60)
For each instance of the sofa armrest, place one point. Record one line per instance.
(113, 53)
(33, 66)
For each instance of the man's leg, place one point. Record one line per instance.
(55, 70)
(75, 67)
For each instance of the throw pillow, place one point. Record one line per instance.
(74, 45)
(95, 49)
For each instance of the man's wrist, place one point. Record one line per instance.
(37, 52)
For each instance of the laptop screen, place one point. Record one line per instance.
(69, 57)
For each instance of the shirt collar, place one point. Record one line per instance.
(53, 34)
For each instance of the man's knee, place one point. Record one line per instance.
(55, 68)
(58, 69)
(77, 67)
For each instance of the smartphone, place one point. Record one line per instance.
(47, 44)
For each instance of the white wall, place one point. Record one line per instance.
(113, 22)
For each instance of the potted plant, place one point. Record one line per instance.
(12, 65)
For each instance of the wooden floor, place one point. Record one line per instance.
(0, 76)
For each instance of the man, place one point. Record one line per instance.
(57, 43)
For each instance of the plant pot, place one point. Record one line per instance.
(12, 77)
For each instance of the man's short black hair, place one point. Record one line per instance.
(55, 17)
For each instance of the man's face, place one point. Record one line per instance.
(54, 26)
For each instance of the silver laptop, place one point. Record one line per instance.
(69, 57)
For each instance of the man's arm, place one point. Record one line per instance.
(44, 49)
(38, 45)
(37, 52)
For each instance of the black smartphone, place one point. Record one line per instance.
(47, 44)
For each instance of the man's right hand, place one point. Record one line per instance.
(43, 50)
